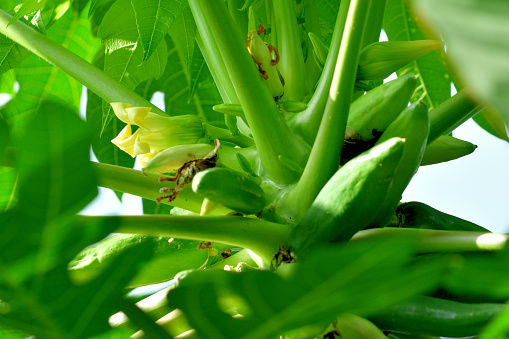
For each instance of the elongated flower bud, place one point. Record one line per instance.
(446, 148)
(171, 159)
(380, 59)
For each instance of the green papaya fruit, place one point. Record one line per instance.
(231, 189)
(350, 199)
(371, 113)
(412, 125)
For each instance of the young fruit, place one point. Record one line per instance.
(231, 189)
(412, 125)
(371, 114)
(350, 199)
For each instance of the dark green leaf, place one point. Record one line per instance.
(328, 12)
(481, 275)
(357, 278)
(56, 177)
(434, 80)
(45, 302)
(95, 4)
(476, 36)
(154, 18)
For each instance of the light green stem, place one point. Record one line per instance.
(291, 63)
(307, 123)
(223, 134)
(326, 153)
(134, 182)
(375, 19)
(262, 237)
(440, 241)
(93, 78)
(450, 114)
(271, 133)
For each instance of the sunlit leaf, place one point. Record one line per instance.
(434, 83)
(475, 33)
(331, 282)
(154, 18)
(39, 80)
(183, 34)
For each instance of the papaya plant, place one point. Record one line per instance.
(271, 175)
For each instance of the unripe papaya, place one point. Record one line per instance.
(350, 199)
(418, 215)
(371, 113)
(170, 257)
(380, 59)
(412, 125)
(446, 148)
(231, 189)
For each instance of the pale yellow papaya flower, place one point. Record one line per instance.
(155, 132)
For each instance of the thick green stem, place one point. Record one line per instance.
(326, 153)
(239, 17)
(307, 123)
(450, 114)
(131, 181)
(272, 135)
(262, 237)
(212, 57)
(291, 64)
(440, 241)
(87, 74)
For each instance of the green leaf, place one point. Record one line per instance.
(183, 34)
(56, 177)
(435, 82)
(154, 18)
(39, 80)
(11, 54)
(104, 149)
(124, 54)
(7, 81)
(151, 207)
(43, 301)
(474, 272)
(174, 83)
(8, 188)
(95, 4)
(328, 12)
(357, 278)
(492, 122)
(8, 5)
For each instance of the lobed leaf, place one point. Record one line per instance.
(154, 18)
(434, 80)
(475, 33)
(333, 281)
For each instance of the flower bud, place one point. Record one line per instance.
(380, 59)
(155, 132)
(171, 159)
